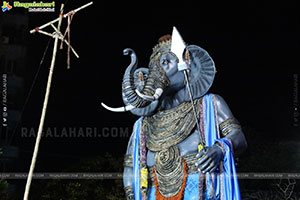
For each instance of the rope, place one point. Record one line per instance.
(70, 16)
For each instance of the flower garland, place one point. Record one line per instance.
(200, 147)
(143, 165)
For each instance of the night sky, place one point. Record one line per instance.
(255, 48)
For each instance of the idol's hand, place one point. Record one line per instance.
(210, 158)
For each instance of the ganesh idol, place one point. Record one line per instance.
(184, 142)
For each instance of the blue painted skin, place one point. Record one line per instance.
(213, 155)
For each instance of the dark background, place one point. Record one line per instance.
(255, 47)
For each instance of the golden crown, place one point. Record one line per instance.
(160, 47)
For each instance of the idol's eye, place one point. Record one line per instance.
(165, 62)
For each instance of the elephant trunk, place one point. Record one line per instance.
(156, 82)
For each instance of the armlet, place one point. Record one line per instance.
(228, 125)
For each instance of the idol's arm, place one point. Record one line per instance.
(128, 172)
(229, 127)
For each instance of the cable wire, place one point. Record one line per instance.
(30, 91)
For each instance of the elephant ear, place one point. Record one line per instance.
(202, 71)
(148, 110)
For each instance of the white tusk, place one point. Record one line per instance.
(158, 93)
(120, 109)
(156, 96)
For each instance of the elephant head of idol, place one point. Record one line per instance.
(163, 84)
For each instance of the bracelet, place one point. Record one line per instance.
(230, 142)
(221, 146)
(129, 192)
(128, 161)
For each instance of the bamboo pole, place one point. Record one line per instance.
(60, 37)
(38, 139)
(55, 20)
(46, 33)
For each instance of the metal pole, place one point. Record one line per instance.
(195, 115)
(193, 106)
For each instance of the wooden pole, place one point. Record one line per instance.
(38, 139)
